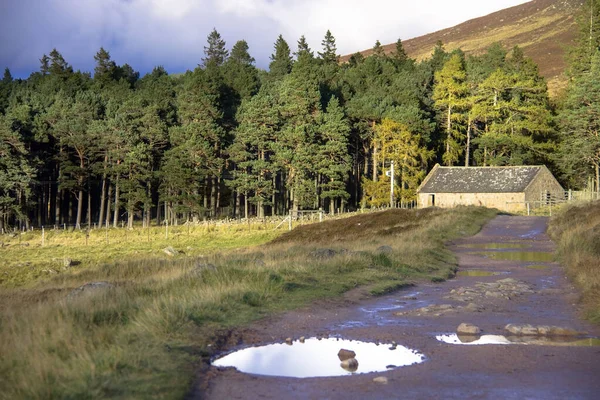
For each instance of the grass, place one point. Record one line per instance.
(147, 334)
(576, 229)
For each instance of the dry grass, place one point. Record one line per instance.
(145, 336)
(576, 229)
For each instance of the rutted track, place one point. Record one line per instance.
(539, 296)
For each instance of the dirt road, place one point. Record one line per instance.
(526, 288)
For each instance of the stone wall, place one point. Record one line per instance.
(510, 202)
(543, 181)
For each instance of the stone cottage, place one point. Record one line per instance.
(505, 188)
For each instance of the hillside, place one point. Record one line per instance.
(542, 28)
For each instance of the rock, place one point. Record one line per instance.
(560, 331)
(344, 354)
(89, 288)
(323, 253)
(522, 329)
(67, 262)
(288, 341)
(381, 379)
(350, 365)
(472, 307)
(170, 251)
(301, 339)
(507, 281)
(468, 329)
(385, 249)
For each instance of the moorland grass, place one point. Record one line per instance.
(576, 230)
(146, 336)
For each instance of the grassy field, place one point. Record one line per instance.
(146, 334)
(576, 229)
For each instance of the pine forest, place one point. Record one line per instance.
(228, 139)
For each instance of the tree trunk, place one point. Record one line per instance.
(116, 210)
(108, 199)
(213, 197)
(468, 148)
(103, 194)
(89, 209)
(448, 131)
(597, 170)
(246, 205)
(79, 209)
(130, 212)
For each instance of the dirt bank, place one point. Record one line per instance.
(516, 293)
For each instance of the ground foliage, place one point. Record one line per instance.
(146, 334)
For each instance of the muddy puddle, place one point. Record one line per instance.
(526, 256)
(539, 267)
(478, 272)
(319, 358)
(527, 340)
(492, 246)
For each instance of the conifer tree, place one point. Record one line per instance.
(449, 93)
(281, 60)
(106, 69)
(329, 54)
(215, 53)
(378, 49)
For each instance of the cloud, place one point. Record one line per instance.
(172, 33)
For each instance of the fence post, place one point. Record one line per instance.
(527, 208)
(290, 221)
(43, 236)
(320, 215)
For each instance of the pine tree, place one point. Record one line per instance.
(106, 69)
(45, 65)
(580, 126)
(449, 93)
(329, 54)
(378, 49)
(281, 60)
(215, 53)
(587, 41)
(240, 74)
(334, 162)
(399, 54)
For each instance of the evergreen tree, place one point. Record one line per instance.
(580, 126)
(378, 49)
(587, 41)
(240, 74)
(399, 54)
(281, 60)
(449, 93)
(45, 65)
(334, 162)
(329, 54)
(105, 70)
(215, 53)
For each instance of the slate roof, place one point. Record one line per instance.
(479, 179)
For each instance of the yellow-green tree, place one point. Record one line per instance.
(406, 149)
(449, 94)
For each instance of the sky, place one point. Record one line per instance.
(172, 33)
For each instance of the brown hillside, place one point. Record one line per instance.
(542, 28)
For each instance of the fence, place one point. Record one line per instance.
(551, 201)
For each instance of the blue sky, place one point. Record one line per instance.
(172, 33)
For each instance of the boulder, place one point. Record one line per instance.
(170, 251)
(385, 249)
(344, 354)
(323, 253)
(522, 329)
(350, 365)
(288, 341)
(468, 329)
(381, 379)
(67, 262)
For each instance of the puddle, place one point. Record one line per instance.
(495, 246)
(540, 267)
(477, 272)
(531, 256)
(528, 340)
(318, 358)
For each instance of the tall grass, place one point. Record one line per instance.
(576, 229)
(145, 336)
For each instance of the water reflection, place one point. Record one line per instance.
(477, 272)
(531, 256)
(529, 340)
(495, 246)
(318, 357)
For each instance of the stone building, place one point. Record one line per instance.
(505, 188)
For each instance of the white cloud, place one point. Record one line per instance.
(145, 33)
